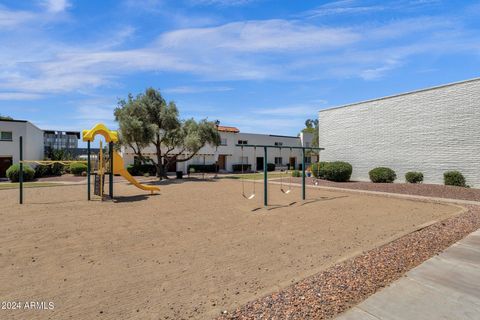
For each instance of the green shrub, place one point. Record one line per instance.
(77, 168)
(414, 177)
(140, 169)
(296, 173)
(42, 171)
(317, 169)
(382, 175)
(202, 167)
(57, 169)
(337, 171)
(454, 178)
(270, 166)
(13, 173)
(238, 167)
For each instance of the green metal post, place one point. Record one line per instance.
(303, 173)
(110, 151)
(265, 177)
(89, 169)
(20, 177)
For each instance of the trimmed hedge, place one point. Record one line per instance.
(203, 167)
(382, 175)
(141, 169)
(56, 169)
(337, 171)
(454, 178)
(296, 173)
(78, 168)
(414, 177)
(270, 166)
(318, 169)
(238, 167)
(13, 172)
(42, 171)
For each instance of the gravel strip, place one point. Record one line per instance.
(333, 291)
(427, 190)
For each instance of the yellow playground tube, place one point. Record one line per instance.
(118, 163)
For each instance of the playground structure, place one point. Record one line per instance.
(113, 165)
(265, 167)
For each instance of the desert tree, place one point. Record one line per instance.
(148, 119)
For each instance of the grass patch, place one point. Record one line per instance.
(16, 185)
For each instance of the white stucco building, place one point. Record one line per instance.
(431, 130)
(228, 154)
(10, 132)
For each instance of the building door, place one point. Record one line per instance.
(222, 162)
(292, 163)
(172, 166)
(5, 163)
(259, 163)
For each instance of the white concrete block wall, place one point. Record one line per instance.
(34, 143)
(432, 131)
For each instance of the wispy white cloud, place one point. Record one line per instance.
(19, 96)
(56, 6)
(289, 111)
(343, 7)
(221, 2)
(362, 7)
(12, 18)
(258, 49)
(258, 36)
(378, 72)
(18, 18)
(195, 89)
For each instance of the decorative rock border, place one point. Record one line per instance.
(331, 292)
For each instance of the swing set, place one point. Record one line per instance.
(285, 190)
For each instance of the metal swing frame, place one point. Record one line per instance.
(265, 174)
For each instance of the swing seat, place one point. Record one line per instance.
(249, 197)
(286, 191)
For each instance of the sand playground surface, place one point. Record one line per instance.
(190, 252)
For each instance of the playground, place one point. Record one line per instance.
(192, 250)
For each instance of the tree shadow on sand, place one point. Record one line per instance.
(135, 198)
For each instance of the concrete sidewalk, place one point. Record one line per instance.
(446, 286)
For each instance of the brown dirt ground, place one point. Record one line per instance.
(192, 251)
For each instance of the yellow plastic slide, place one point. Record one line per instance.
(119, 168)
(118, 164)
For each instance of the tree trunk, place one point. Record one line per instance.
(161, 173)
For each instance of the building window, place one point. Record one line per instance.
(279, 143)
(223, 141)
(278, 161)
(307, 144)
(243, 160)
(308, 159)
(242, 141)
(6, 136)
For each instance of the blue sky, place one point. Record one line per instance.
(261, 65)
